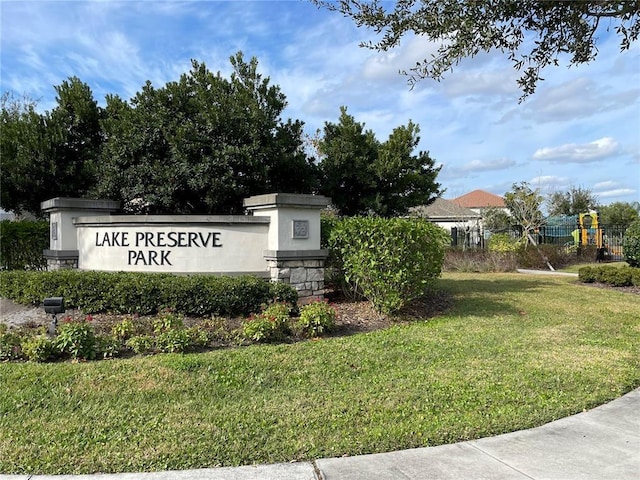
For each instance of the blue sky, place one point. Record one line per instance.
(581, 128)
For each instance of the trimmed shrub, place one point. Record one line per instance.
(389, 261)
(614, 276)
(145, 293)
(22, 243)
(631, 244)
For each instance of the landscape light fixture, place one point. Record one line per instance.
(53, 306)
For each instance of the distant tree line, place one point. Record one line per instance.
(199, 145)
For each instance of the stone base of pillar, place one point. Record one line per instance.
(61, 259)
(304, 272)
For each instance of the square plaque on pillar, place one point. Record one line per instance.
(300, 228)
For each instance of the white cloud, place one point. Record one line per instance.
(575, 153)
(607, 184)
(487, 165)
(619, 192)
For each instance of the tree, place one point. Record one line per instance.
(51, 154)
(203, 143)
(572, 202)
(363, 176)
(532, 34)
(524, 205)
(496, 220)
(619, 213)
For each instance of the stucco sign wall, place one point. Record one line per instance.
(184, 244)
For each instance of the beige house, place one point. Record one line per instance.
(462, 223)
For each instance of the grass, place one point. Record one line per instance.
(514, 352)
(578, 266)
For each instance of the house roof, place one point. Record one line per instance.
(480, 199)
(442, 209)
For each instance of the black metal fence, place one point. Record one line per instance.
(568, 235)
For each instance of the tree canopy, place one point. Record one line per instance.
(364, 176)
(532, 34)
(202, 144)
(574, 201)
(524, 204)
(51, 154)
(619, 213)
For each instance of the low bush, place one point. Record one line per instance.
(39, 348)
(10, 344)
(479, 260)
(503, 243)
(76, 338)
(145, 293)
(631, 244)
(537, 256)
(315, 319)
(271, 325)
(388, 261)
(22, 243)
(614, 276)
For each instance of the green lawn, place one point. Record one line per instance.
(578, 266)
(515, 351)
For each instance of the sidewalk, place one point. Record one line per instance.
(601, 444)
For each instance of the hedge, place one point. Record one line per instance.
(22, 243)
(145, 293)
(615, 276)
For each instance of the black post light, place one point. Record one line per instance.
(53, 306)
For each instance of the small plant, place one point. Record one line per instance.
(10, 348)
(140, 344)
(123, 330)
(315, 319)
(38, 348)
(503, 243)
(269, 326)
(76, 338)
(167, 321)
(108, 346)
(177, 340)
(208, 331)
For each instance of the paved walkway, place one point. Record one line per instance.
(601, 444)
(547, 272)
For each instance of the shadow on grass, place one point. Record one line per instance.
(489, 295)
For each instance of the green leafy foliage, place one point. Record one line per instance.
(532, 35)
(202, 143)
(10, 344)
(316, 319)
(363, 176)
(22, 243)
(145, 293)
(503, 243)
(271, 325)
(388, 261)
(619, 213)
(615, 276)
(77, 339)
(39, 348)
(52, 154)
(631, 244)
